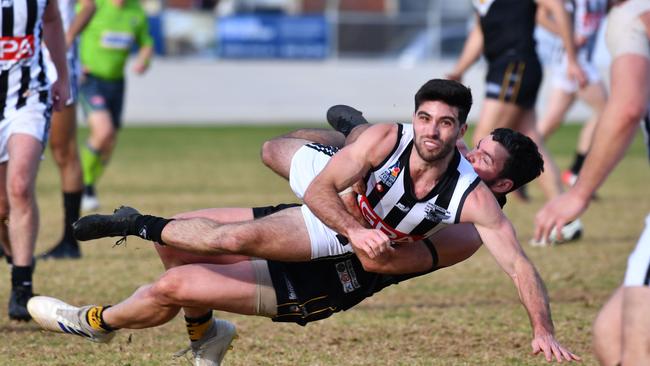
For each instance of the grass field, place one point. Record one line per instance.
(466, 315)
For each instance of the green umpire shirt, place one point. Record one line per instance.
(109, 37)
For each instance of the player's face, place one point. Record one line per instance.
(436, 128)
(488, 159)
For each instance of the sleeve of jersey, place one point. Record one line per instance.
(143, 36)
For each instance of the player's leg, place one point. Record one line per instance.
(595, 96)
(558, 104)
(511, 90)
(550, 180)
(234, 288)
(4, 213)
(636, 326)
(172, 257)
(283, 235)
(228, 288)
(495, 114)
(278, 153)
(636, 298)
(607, 330)
(280, 236)
(24, 157)
(63, 142)
(100, 105)
(320, 135)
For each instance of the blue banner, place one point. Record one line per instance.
(272, 36)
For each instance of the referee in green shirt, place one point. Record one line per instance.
(105, 47)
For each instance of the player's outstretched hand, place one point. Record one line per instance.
(60, 94)
(552, 349)
(556, 213)
(372, 242)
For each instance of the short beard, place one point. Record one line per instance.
(431, 158)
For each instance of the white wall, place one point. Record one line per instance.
(230, 92)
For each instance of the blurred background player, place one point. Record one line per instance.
(105, 46)
(63, 132)
(504, 34)
(622, 328)
(587, 16)
(26, 97)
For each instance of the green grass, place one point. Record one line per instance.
(465, 315)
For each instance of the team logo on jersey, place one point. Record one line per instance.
(116, 40)
(347, 276)
(16, 48)
(436, 213)
(389, 176)
(376, 222)
(402, 207)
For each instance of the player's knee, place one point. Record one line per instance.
(20, 189)
(106, 140)
(269, 153)
(63, 152)
(633, 112)
(171, 257)
(168, 289)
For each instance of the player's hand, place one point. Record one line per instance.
(579, 41)
(372, 242)
(140, 67)
(455, 75)
(60, 94)
(352, 207)
(576, 73)
(556, 213)
(552, 349)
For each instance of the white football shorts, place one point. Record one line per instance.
(32, 119)
(638, 264)
(561, 79)
(306, 163)
(625, 32)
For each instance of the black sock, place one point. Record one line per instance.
(21, 276)
(71, 206)
(150, 227)
(196, 327)
(9, 259)
(577, 163)
(89, 190)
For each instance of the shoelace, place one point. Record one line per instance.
(120, 241)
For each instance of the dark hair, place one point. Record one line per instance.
(450, 92)
(524, 162)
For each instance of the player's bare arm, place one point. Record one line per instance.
(472, 50)
(499, 236)
(143, 60)
(565, 31)
(55, 41)
(614, 132)
(344, 169)
(86, 11)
